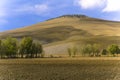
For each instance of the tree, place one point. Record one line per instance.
(113, 49)
(88, 49)
(1, 48)
(104, 52)
(84, 51)
(74, 51)
(10, 46)
(33, 50)
(26, 46)
(69, 52)
(96, 49)
(30, 48)
(91, 50)
(22, 49)
(39, 50)
(36, 49)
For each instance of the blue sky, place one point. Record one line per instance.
(19, 13)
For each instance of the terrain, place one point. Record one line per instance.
(60, 69)
(58, 34)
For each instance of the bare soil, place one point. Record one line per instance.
(60, 69)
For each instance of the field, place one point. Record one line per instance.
(60, 69)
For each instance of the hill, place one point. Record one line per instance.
(59, 33)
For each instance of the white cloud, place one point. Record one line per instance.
(116, 19)
(16, 7)
(34, 9)
(90, 4)
(10, 8)
(112, 6)
(3, 5)
(107, 5)
(3, 11)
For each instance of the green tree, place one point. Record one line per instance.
(96, 49)
(39, 50)
(36, 49)
(10, 47)
(26, 46)
(30, 48)
(1, 48)
(83, 50)
(74, 51)
(87, 50)
(33, 50)
(104, 52)
(69, 52)
(113, 49)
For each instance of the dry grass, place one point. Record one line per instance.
(90, 25)
(94, 26)
(60, 69)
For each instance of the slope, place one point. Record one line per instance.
(59, 33)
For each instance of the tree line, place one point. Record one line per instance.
(95, 50)
(24, 48)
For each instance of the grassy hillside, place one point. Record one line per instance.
(58, 34)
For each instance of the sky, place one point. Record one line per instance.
(20, 13)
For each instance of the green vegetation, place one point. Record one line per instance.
(87, 50)
(113, 49)
(69, 52)
(10, 48)
(72, 52)
(104, 52)
(27, 48)
(95, 50)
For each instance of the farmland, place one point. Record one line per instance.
(61, 69)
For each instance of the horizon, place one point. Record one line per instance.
(17, 14)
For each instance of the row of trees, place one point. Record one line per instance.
(95, 50)
(91, 50)
(26, 48)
